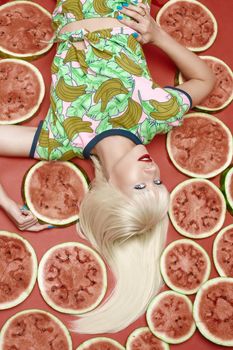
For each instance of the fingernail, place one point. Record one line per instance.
(119, 7)
(135, 35)
(119, 17)
(51, 226)
(24, 207)
(125, 4)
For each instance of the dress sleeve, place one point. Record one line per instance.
(187, 99)
(185, 103)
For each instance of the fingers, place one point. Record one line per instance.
(28, 222)
(22, 225)
(139, 20)
(25, 212)
(24, 207)
(132, 24)
(135, 12)
(135, 26)
(26, 218)
(38, 227)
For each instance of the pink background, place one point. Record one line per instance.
(13, 170)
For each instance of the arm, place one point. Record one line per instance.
(22, 218)
(200, 78)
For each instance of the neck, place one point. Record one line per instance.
(110, 150)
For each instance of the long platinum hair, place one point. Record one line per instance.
(130, 234)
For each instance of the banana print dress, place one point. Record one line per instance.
(105, 89)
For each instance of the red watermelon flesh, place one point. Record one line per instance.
(72, 278)
(35, 331)
(101, 345)
(24, 29)
(216, 310)
(15, 267)
(172, 316)
(188, 23)
(200, 145)
(197, 208)
(225, 252)
(146, 341)
(223, 86)
(185, 266)
(56, 191)
(19, 88)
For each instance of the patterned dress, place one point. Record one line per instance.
(105, 89)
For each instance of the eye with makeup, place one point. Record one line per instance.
(140, 186)
(157, 182)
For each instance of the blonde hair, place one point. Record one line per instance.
(130, 234)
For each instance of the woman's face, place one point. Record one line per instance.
(135, 171)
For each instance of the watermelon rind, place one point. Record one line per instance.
(25, 312)
(226, 180)
(25, 294)
(42, 90)
(221, 215)
(155, 301)
(26, 195)
(4, 53)
(41, 278)
(163, 265)
(89, 342)
(211, 40)
(211, 173)
(215, 249)
(137, 332)
(200, 325)
(179, 80)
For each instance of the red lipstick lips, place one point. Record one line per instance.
(145, 158)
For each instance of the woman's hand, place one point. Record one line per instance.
(21, 217)
(142, 22)
(200, 79)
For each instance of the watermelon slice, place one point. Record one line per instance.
(185, 265)
(54, 190)
(18, 266)
(169, 317)
(226, 182)
(189, 22)
(213, 310)
(25, 30)
(72, 278)
(197, 208)
(143, 339)
(100, 343)
(223, 252)
(201, 147)
(34, 329)
(22, 90)
(222, 94)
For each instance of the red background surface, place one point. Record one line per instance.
(12, 170)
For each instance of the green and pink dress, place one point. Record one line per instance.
(103, 90)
